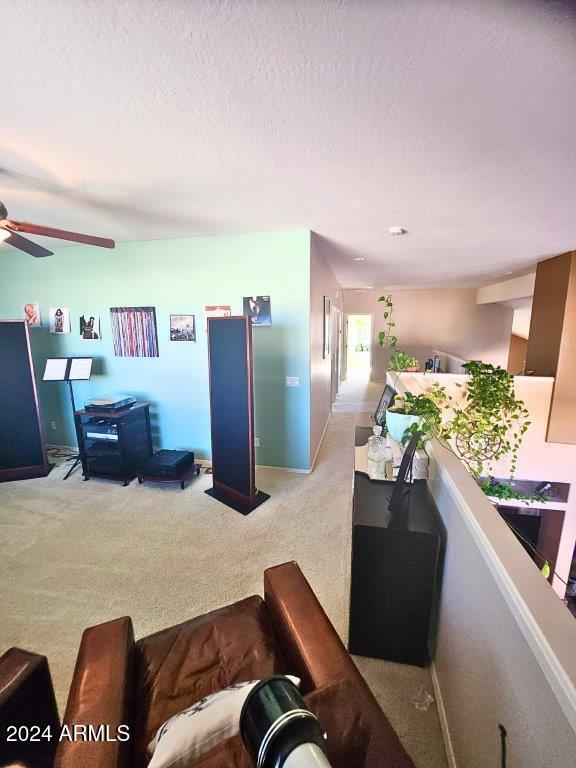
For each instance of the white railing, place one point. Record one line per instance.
(506, 645)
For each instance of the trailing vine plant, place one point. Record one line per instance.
(399, 359)
(490, 422)
(505, 491)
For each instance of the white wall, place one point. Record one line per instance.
(505, 646)
(507, 290)
(522, 315)
(446, 319)
(322, 283)
(485, 664)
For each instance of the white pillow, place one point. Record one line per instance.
(198, 728)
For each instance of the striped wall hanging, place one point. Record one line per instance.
(134, 331)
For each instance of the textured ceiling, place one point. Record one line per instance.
(455, 119)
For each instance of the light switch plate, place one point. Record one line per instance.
(292, 381)
(256, 442)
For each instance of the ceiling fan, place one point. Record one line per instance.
(10, 229)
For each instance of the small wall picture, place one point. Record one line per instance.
(182, 328)
(59, 320)
(90, 327)
(218, 310)
(258, 309)
(327, 310)
(31, 313)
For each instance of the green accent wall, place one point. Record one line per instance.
(176, 276)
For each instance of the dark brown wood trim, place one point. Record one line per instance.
(36, 399)
(25, 473)
(241, 497)
(250, 374)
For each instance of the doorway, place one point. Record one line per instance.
(359, 346)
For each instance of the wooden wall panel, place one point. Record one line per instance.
(547, 317)
(552, 341)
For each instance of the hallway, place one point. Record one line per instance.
(357, 395)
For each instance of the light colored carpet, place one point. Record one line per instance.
(78, 553)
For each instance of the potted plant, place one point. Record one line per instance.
(412, 413)
(399, 359)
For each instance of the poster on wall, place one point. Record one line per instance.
(327, 310)
(182, 328)
(90, 327)
(217, 310)
(59, 320)
(134, 331)
(258, 309)
(31, 313)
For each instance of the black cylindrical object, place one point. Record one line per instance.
(278, 730)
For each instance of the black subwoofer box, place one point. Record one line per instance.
(167, 463)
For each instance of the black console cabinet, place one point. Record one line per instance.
(396, 571)
(114, 444)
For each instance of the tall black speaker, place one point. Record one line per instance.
(232, 413)
(22, 447)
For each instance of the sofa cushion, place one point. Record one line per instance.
(181, 665)
(199, 728)
(335, 707)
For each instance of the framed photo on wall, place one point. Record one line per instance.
(90, 327)
(258, 309)
(182, 328)
(59, 320)
(327, 329)
(31, 313)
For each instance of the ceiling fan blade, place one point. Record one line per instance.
(26, 245)
(62, 234)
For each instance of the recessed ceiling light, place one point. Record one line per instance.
(396, 231)
(359, 258)
(508, 273)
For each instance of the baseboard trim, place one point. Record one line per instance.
(450, 756)
(286, 469)
(320, 443)
(208, 463)
(205, 463)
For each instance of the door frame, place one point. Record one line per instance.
(336, 358)
(371, 316)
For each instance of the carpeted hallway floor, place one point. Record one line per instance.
(79, 553)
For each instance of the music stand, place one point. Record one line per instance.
(69, 369)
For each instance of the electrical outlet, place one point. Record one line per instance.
(53, 425)
(256, 442)
(292, 381)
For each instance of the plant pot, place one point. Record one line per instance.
(413, 369)
(398, 423)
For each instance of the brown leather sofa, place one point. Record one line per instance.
(119, 681)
